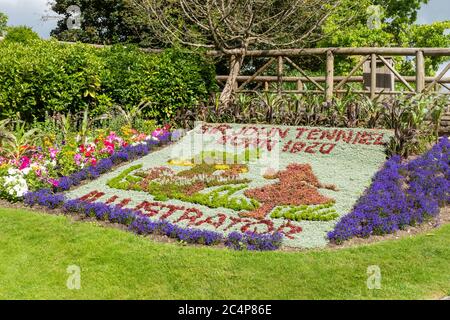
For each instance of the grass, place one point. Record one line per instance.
(36, 249)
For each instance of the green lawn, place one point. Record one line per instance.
(35, 250)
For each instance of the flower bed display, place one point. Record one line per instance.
(254, 187)
(67, 164)
(241, 181)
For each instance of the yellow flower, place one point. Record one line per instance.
(180, 162)
(222, 166)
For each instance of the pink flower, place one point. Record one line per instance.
(109, 147)
(53, 182)
(24, 163)
(112, 137)
(158, 132)
(93, 161)
(78, 157)
(53, 153)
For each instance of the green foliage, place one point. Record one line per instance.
(20, 34)
(415, 121)
(401, 11)
(397, 29)
(224, 196)
(323, 212)
(427, 35)
(16, 139)
(221, 197)
(118, 182)
(46, 77)
(3, 23)
(163, 82)
(105, 22)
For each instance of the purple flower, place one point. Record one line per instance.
(254, 241)
(400, 195)
(44, 197)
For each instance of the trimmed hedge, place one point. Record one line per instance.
(46, 76)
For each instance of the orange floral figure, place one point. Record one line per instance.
(297, 186)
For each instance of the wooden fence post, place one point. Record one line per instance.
(299, 85)
(373, 76)
(330, 77)
(420, 72)
(280, 74)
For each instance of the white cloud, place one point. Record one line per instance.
(29, 13)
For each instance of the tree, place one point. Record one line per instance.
(104, 22)
(399, 12)
(236, 26)
(397, 28)
(3, 22)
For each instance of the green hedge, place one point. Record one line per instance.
(46, 77)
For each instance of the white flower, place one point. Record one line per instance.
(15, 184)
(12, 171)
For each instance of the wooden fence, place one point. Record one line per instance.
(331, 84)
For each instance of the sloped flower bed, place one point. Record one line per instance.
(257, 186)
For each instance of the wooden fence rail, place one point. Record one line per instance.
(330, 84)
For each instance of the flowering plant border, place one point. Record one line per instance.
(142, 225)
(401, 194)
(125, 154)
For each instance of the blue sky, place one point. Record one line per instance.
(30, 12)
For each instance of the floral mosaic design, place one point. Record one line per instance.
(295, 181)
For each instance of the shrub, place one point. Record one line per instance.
(21, 34)
(167, 82)
(49, 77)
(46, 77)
